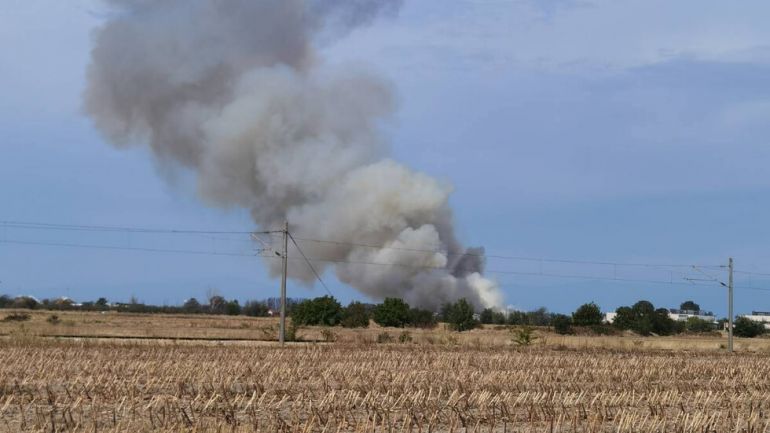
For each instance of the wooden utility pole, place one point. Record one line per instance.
(285, 257)
(730, 306)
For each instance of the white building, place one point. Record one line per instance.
(682, 316)
(759, 316)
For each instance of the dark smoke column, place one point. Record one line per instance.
(234, 91)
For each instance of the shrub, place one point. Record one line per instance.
(562, 324)
(523, 336)
(743, 327)
(392, 312)
(328, 335)
(405, 337)
(384, 337)
(587, 315)
(695, 324)
(17, 317)
(355, 315)
(460, 315)
(53, 319)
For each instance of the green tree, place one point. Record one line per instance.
(587, 315)
(644, 319)
(744, 327)
(217, 304)
(460, 316)
(689, 305)
(517, 318)
(254, 309)
(487, 316)
(191, 306)
(562, 324)
(233, 308)
(25, 302)
(325, 311)
(539, 317)
(355, 315)
(392, 312)
(102, 304)
(420, 318)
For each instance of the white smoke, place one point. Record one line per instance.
(234, 91)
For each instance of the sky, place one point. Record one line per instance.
(572, 131)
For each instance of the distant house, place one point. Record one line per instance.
(759, 316)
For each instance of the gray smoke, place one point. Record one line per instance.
(235, 91)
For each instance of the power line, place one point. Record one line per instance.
(98, 228)
(519, 258)
(309, 261)
(312, 268)
(110, 247)
(505, 272)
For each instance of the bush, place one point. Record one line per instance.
(743, 327)
(695, 324)
(587, 315)
(460, 315)
(355, 315)
(384, 337)
(17, 317)
(53, 319)
(392, 312)
(405, 337)
(328, 335)
(523, 336)
(562, 324)
(603, 329)
(324, 311)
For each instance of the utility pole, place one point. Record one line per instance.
(730, 306)
(284, 256)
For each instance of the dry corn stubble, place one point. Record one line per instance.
(111, 387)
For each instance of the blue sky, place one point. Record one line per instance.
(613, 131)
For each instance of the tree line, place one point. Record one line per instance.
(641, 318)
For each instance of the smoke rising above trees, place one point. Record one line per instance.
(236, 92)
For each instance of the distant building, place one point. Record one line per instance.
(759, 316)
(678, 315)
(683, 315)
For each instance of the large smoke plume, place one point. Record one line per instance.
(234, 90)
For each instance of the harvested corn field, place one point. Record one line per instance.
(53, 386)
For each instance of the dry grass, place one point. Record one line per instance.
(118, 387)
